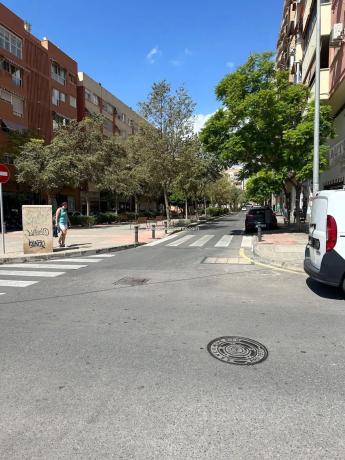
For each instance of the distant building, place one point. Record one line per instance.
(120, 119)
(233, 173)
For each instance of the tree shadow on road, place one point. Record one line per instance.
(324, 291)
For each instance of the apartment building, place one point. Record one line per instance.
(296, 52)
(120, 119)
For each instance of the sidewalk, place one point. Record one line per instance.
(80, 241)
(285, 250)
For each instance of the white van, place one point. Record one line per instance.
(325, 253)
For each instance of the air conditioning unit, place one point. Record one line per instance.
(337, 35)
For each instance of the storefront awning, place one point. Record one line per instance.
(8, 124)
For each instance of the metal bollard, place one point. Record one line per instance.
(166, 226)
(259, 233)
(153, 228)
(136, 234)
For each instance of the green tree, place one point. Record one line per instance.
(224, 192)
(261, 186)
(167, 136)
(82, 145)
(266, 122)
(38, 167)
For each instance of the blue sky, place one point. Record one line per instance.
(192, 42)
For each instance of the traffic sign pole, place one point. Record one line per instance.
(4, 177)
(2, 220)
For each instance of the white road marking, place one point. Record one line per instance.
(12, 283)
(101, 256)
(48, 266)
(30, 273)
(181, 241)
(68, 259)
(162, 240)
(246, 242)
(201, 241)
(224, 242)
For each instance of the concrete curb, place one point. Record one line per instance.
(84, 252)
(67, 254)
(286, 265)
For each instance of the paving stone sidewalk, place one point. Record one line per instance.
(82, 241)
(285, 250)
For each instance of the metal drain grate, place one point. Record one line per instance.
(129, 281)
(237, 350)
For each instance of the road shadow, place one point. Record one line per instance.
(72, 246)
(325, 291)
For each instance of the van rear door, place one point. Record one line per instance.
(318, 230)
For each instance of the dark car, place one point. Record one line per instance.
(260, 215)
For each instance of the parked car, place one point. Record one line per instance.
(325, 252)
(260, 215)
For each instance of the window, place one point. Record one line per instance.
(73, 101)
(16, 102)
(14, 71)
(55, 97)
(73, 79)
(124, 118)
(8, 159)
(108, 108)
(62, 97)
(59, 120)
(108, 125)
(10, 42)
(94, 99)
(58, 73)
(91, 97)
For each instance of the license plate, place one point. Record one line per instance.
(260, 225)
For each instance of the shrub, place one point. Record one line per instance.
(215, 212)
(82, 221)
(107, 218)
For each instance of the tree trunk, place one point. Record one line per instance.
(116, 204)
(136, 206)
(166, 202)
(297, 205)
(49, 198)
(186, 209)
(196, 209)
(87, 203)
(205, 206)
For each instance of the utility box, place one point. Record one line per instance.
(37, 229)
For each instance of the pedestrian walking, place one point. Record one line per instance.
(62, 221)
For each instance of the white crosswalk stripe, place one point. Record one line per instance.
(163, 240)
(224, 242)
(181, 241)
(246, 242)
(68, 259)
(30, 273)
(15, 283)
(201, 241)
(47, 266)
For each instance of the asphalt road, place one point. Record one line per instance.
(97, 366)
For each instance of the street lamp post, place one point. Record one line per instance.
(316, 162)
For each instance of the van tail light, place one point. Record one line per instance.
(332, 233)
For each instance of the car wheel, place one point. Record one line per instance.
(343, 285)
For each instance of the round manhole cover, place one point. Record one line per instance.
(237, 350)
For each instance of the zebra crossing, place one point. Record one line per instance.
(208, 240)
(51, 269)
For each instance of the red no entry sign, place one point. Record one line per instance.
(4, 174)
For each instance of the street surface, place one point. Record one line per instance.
(105, 357)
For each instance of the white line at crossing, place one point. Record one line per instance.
(68, 259)
(163, 240)
(181, 241)
(201, 241)
(14, 283)
(47, 266)
(30, 273)
(246, 242)
(224, 242)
